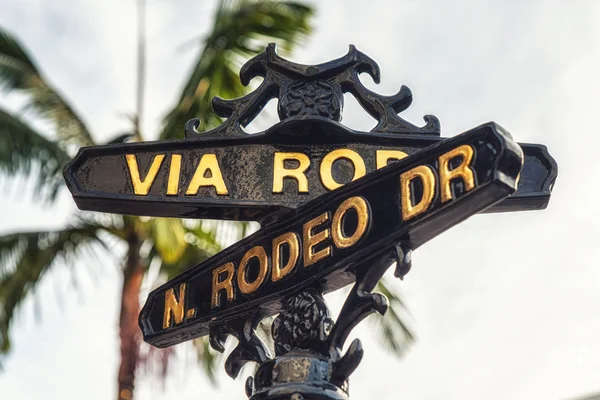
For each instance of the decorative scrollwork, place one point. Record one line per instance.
(313, 91)
(250, 347)
(308, 344)
(304, 323)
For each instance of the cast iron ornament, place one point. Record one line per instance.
(313, 239)
(310, 91)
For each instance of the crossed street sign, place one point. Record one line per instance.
(337, 207)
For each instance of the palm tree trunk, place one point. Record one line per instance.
(129, 331)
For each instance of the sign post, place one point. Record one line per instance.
(337, 207)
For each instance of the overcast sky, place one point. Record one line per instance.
(505, 306)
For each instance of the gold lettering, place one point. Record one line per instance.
(310, 240)
(292, 240)
(463, 171)
(425, 174)
(208, 163)
(280, 172)
(383, 156)
(173, 306)
(261, 255)
(327, 165)
(142, 187)
(175, 168)
(225, 284)
(337, 233)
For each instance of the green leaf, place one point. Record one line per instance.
(25, 151)
(241, 30)
(26, 257)
(195, 245)
(168, 235)
(18, 73)
(395, 334)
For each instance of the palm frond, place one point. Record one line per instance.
(205, 235)
(26, 257)
(179, 245)
(168, 235)
(394, 331)
(25, 151)
(18, 73)
(241, 30)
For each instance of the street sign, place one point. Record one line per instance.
(337, 207)
(255, 175)
(228, 174)
(333, 236)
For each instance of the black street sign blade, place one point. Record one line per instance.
(246, 177)
(331, 237)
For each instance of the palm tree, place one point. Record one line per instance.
(240, 29)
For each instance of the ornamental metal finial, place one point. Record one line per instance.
(313, 91)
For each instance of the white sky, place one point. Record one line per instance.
(504, 306)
